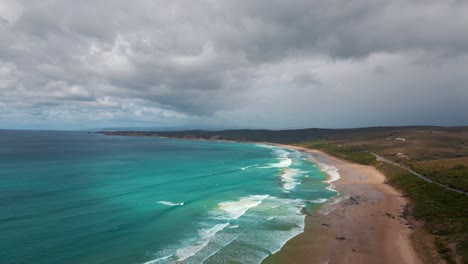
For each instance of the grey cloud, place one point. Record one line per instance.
(305, 79)
(8, 75)
(272, 29)
(206, 60)
(379, 69)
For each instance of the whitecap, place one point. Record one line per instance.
(207, 233)
(287, 218)
(219, 245)
(154, 261)
(250, 166)
(288, 177)
(169, 203)
(264, 146)
(189, 251)
(283, 163)
(236, 209)
(280, 153)
(260, 242)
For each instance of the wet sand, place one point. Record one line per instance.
(366, 223)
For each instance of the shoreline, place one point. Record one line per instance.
(365, 223)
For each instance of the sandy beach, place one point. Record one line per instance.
(365, 223)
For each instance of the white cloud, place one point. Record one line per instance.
(109, 59)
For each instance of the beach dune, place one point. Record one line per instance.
(366, 223)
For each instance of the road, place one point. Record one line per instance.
(419, 175)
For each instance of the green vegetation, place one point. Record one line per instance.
(444, 250)
(354, 154)
(444, 213)
(422, 143)
(455, 176)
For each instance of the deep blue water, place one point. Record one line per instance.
(76, 197)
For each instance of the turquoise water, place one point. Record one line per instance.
(74, 197)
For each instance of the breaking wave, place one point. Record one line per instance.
(234, 210)
(169, 203)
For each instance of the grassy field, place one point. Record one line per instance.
(438, 153)
(355, 154)
(418, 144)
(451, 172)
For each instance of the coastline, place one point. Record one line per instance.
(365, 223)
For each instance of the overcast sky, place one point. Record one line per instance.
(255, 64)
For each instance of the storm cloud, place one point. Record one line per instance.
(258, 64)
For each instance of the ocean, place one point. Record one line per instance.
(77, 197)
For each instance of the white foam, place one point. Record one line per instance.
(332, 204)
(283, 163)
(330, 188)
(289, 179)
(207, 233)
(281, 153)
(236, 209)
(250, 243)
(169, 203)
(318, 200)
(208, 243)
(158, 260)
(250, 166)
(189, 251)
(269, 241)
(210, 252)
(264, 146)
(331, 171)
